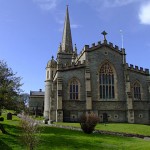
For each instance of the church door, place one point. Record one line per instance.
(105, 118)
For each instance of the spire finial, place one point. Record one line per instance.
(67, 38)
(75, 49)
(104, 33)
(121, 33)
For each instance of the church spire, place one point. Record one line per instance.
(67, 38)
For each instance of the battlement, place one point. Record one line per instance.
(99, 44)
(86, 47)
(137, 69)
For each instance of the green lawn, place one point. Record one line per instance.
(63, 139)
(118, 127)
(52, 138)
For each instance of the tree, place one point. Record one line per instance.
(30, 132)
(9, 86)
(24, 98)
(23, 101)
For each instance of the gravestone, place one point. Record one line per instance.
(1, 119)
(9, 116)
(46, 121)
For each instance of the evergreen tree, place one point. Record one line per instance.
(9, 87)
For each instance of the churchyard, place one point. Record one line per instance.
(56, 138)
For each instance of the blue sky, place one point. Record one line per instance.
(31, 30)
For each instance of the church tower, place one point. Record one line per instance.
(66, 55)
(65, 50)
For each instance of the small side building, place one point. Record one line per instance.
(36, 102)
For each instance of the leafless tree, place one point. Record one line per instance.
(30, 132)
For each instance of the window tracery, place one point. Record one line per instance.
(136, 91)
(106, 82)
(74, 89)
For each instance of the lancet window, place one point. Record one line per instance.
(106, 82)
(136, 91)
(74, 89)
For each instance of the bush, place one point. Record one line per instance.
(1, 119)
(88, 122)
(30, 130)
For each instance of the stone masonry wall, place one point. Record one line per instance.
(95, 59)
(67, 76)
(133, 76)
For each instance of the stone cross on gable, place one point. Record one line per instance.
(104, 33)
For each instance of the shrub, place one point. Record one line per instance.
(1, 119)
(88, 122)
(30, 129)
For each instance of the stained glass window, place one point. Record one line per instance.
(106, 82)
(137, 91)
(74, 90)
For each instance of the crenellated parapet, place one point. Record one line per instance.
(98, 45)
(94, 46)
(137, 69)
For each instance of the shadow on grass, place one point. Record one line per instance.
(4, 146)
(56, 138)
(11, 138)
(12, 129)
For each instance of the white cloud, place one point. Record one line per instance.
(118, 3)
(59, 16)
(144, 14)
(74, 26)
(46, 4)
(109, 3)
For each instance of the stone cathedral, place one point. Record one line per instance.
(97, 80)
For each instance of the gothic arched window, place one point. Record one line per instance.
(106, 82)
(136, 91)
(47, 74)
(74, 89)
(52, 75)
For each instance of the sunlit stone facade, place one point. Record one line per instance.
(97, 80)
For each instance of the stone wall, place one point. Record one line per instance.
(115, 108)
(142, 79)
(113, 115)
(35, 102)
(142, 116)
(74, 105)
(67, 76)
(95, 59)
(109, 105)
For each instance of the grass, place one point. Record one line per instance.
(11, 141)
(56, 138)
(126, 128)
(118, 127)
(70, 140)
